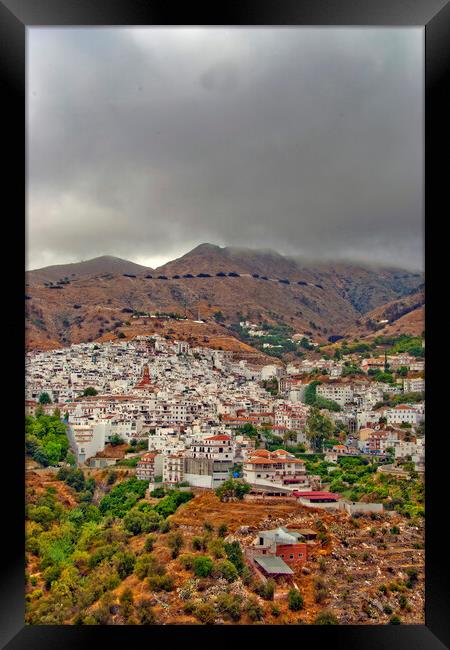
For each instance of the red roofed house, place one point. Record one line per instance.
(209, 461)
(219, 447)
(324, 500)
(275, 469)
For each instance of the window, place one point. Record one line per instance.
(300, 555)
(291, 556)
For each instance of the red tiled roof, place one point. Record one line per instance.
(318, 495)
(273, 461)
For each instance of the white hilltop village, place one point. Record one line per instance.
(186, 410)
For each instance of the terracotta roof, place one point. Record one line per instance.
(318, 495)
(273, 461)
(262, 452)
(219, 437)
(147, 457)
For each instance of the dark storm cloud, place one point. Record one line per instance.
(145, 142)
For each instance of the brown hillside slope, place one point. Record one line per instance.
(97, 266)
(329, 301)
(404, 316)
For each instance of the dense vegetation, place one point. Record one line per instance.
(357, 479)
(77, 555)
(390, 344)
(45, 438)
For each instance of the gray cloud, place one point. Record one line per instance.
(143, 143)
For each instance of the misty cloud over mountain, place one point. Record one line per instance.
(143, 143)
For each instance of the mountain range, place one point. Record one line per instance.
(70, 303)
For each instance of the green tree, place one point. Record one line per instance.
(44, 398)
(175, 542)
(319, 428)
(235, 555)
(232, 489)
(203, 566)
(226, 569)
(254, 610)
(116, 440)
(295, 600)
(90, 392)
(125, 561)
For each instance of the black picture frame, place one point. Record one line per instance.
(15, 17)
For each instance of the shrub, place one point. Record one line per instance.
(395, 620)
(320, 590)
(402, 600)
(222, 530)
(230, 605)
(205, 613)
(254, 610)
(275, 611)
(126, 600)
(158, 493)
(187, 560)
(125, 561)
(160, 583)
(145, 612)
(149, 543)
(326, 618)
(169, 504)
(175, 542)
(412, 574)
(164, 526)
(209, 528)
(215, 547)
(51, 574)
(266, 589)
(189, 607)
(203, 566)
(295, 600)
(199, 543)
(147, 565)
(235, 555)
(101, 553)
(226, 569)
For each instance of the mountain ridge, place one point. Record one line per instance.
(100, 294)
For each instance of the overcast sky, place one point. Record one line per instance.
(145, 142)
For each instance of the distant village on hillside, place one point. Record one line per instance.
(342, 436)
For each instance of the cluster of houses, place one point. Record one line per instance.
(189, 406)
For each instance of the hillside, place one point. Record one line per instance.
(403, 316)
(103, 265)
(325, 299)
(112, 572)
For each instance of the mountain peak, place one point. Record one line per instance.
(205, 248)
